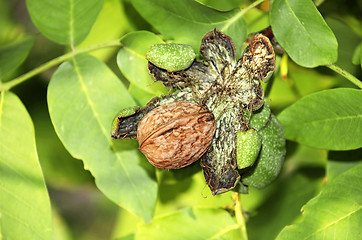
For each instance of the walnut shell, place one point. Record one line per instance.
(176, 134)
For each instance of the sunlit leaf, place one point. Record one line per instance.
(132, 62)
(302, 32)
(225, 5)
(142, 97)
(11, 56)
(83, 98)
(188, 21)
(111, 24)
(186, 187)
(24, 201)
(64, 22)
(336, 213)
(59, 168)
(195, 223)
(329, 119)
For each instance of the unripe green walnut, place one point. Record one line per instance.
(248, 148)
(272, 154)
(171, 56)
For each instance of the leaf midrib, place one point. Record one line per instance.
(21, 222)
(305, 30)
(333, 222)
(104, 131)
(140, 56)
(224, 231)
(326, 120)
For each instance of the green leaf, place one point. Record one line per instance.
(225, 5)
(346, 45)
(142, 97)
(131, 60)
(83, 98)
(336, 213)
(357, 55)
(11, 56)
(64, 22)
(301, 160)
(195, 223)
(181, 188)
(300, 82)
(330, 119)
(283, 205)
(59, 168)
(187, 21)
(256, 20)
(111, 24)
(302, 32)
(24, 201)
(341, 161)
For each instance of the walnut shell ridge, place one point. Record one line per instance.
(175, 134)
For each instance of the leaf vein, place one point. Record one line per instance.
(334, 222)
(301, 24)
(28, 226)
(105, 133)
(221, 233)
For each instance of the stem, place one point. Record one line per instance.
(240, 14)
(8, 85)
(346, 74)
(239, 216)
(253, 5)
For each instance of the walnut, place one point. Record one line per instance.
(175, 134)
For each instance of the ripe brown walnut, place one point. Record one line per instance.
(175, 134)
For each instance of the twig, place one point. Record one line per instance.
(346, 74)
(8, 85)
(239, 216)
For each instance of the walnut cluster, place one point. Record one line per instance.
(209, 102)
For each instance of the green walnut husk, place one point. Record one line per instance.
(125, 123)
(171, 56)
(271, 157)
(248, 148)
(123, 113)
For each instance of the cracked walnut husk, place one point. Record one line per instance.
(229, 93)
